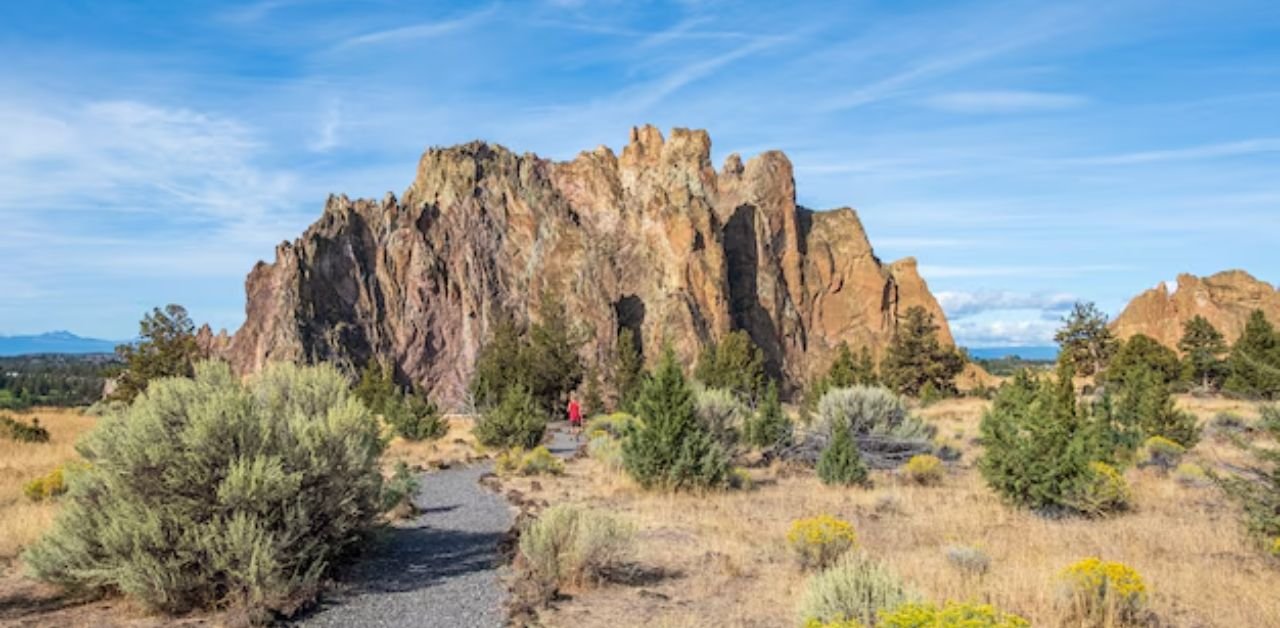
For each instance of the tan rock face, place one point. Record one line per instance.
(655, 240)
(1225, 299)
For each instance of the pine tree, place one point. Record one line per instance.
(592, 398)
(518, 421)
(167, 348)
(1039, 443)
(840, 462)
(734, 363)
(628, 369)
(376, 387)
(1085, 341)
(1202, 347)
(671, 450)
(1255, 360)
(769, 427)
(916, 357)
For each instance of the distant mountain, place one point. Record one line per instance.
(1026, 353)
(1226, 299)
(54, 342)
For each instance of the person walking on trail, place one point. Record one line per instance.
(575, 418)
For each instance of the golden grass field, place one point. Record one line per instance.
(23, 521)
(726, 563)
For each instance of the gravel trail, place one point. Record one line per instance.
(441, 569)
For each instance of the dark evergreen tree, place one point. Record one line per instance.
(518, 421)
(1255, 360)
(840, 462)
(628, 369)
(864, 372)
(1202, 348)
(734, 363)
(166, 348)
(500, 364)
(1085, 341)
(551, 355)
(672, 450)
(770, 427)
(592, 397)
(1143, 352)
(1038, 442)
(916, 357)
(376, 388)
(844, 370)
(1144, 406)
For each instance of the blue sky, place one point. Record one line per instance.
(1027, 153)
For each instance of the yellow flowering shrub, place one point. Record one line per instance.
(837, 623)
(536, 461)
(1275, 547)
(952, 615)
(1104, 592)
(924, 469)
(46, 486)
(818, 541)
(1161, 453)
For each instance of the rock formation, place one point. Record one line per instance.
(654, 239)
(1225, 299)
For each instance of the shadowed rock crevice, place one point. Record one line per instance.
(742, 257)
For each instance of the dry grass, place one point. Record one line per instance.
(457, 446)
(22, 521)
(726, 563)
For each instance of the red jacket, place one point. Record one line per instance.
(575, 412)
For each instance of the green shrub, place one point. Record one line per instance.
(968, 560)
(672, 449)
(415, 418)
(769, 427)
(1254, 363)
(14, 429)
(1257, 488)
(870, 411)
(857, 588)
(210, 493)
(740, 479)
(925, 470)
(571, 545)
(398, 492)
(607, 450)
(1038, 443)
(1103, 593)
(1269, 419)
(537, 461)
(817, 542)
(616, 425)
(1193, 475)
(516, 422)
(1227, 424)
(47, 486)
(1142, 400)
(722, 413)
(952, 615)
(840, 463)
(1104, 492)
(1161, 453)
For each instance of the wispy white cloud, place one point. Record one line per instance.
(327, 135)
(419, 31)
(960, 304)
(1004, 333)
(1255, 146)
(1004, 101)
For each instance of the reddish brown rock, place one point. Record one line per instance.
(1225, 299)
(654, 239)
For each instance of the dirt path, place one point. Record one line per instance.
(441, 569)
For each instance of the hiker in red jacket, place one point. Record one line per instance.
(575, 418)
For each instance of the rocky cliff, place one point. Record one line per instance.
(1225, 299)
(654, 239)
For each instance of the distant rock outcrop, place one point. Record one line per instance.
(654, 239)
(1225, 299)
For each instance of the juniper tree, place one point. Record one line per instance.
(733, 363)
(1255, 360)
(1202, 348)
(1143, 352)
(1143, 403)
(916, 357)
(840, 462)
(770, 427)
(671, 450)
